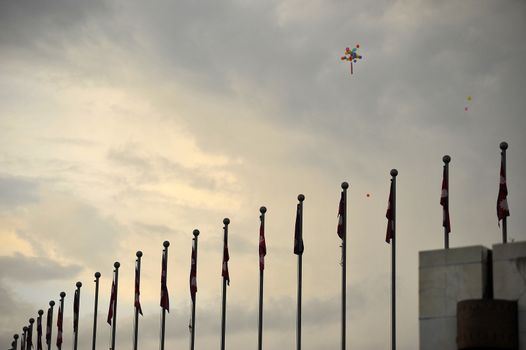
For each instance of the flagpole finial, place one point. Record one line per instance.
(15, 336)
(25, 328)
(345, 185)
(226, 221)
(40, 312)
(97, 274)
(138, 254)
(117, 264)
(503, 145)
(51, 303)
(262, 210)
(166, 244)
(446, 159)
(301, 197)
(62, 294)
(79, 284)
(196, 232)
(394, 172)
(31, 320)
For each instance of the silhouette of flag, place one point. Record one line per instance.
(137, 302)
(60, 318)
(226, 257)
(444, 201)
(76, 303)
(48, 326)
(341, 213)
(262, 244)
(390, 217)
(165, 302)
(193, 272)
(298, 234)
(113, 299)
(39, 333)
(502, 199)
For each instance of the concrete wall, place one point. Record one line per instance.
(509, 279)
(446, 277)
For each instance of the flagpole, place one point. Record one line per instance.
(76, 322)
(62, 296)
(29, 340)
(226, 221)
(15, 342)
(504, 147)
(166, 244)
(192, 338)
(114, 321)
(345, 186)
(262, 210)
(39, 329)
(301, 198)
(446, 159)
(136, 324)
(23, 340)
(50, 326)
(95, 309)
(394, 173)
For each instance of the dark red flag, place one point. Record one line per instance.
(48, 326)
(262, 244)
(137, 301)
(226, 257)
(165, 302)
(341, 213)
(76, 302)
(193, 272)
(60, 318)
(113, 299)
(39, 333)
(390, 217)
(444, 201)
(298, 234)
(502, 199)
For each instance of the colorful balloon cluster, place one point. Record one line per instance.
(351, 55)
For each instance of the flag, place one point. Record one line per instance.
(29, 340)
(444, 201)
(113, 299)
(39, 333)
(341, 213)
(390, 216)
(502, 199)
(59, 326)
(137, 302)
(76, 302)
(226, 257)
(165, 302)
(298, 234)
(48, 326)
(262, 244)
(193, 272)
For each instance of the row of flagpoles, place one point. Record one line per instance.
(26, 338)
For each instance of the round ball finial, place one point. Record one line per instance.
(79, 284)
(138, 254)
(301, 197)
(97, 274)
(15, 336)
(117, 264)
(62, 294)
(394, 172)
(51, 303)
(195, 232)
(40, 312)
(31, 320)
(25, 328)
(503, 145)
(226, 221)
(263, 210)
(446, 159)
(345, 185)
(166, 244)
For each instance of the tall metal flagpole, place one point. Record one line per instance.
(95, 309)
(166, 244)
(194, 298)
(29, 340)
(504, 147)
(114, 321)
(138, 254)
(39, 329)
(76, 316)
(345, 186)
(301, 198)
(62, 296)
(51, 305)
(262, 210)
(446, 159)
(15, 341)
(23, 340)
(226, 221)
(394, 173)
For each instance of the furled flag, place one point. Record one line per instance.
(193, 272)
(502, 198)
(165, 302)
(39, 333)
(444, 202)
(48, 325)
(390, 217)
(76, 302)
(29, 339)
(262, 244)
(226, 257)
(298, 234)
(60, 317)
(113, 299)
(137, 302)
(341, 213)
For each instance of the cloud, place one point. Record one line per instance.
(35, 269)
(17, 191)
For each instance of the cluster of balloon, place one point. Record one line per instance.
(469, 98)
(351, 55)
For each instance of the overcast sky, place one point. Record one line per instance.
(127, 123)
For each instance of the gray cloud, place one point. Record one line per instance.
(17, 191)
(34, 269)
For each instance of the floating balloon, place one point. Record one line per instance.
(351, 55)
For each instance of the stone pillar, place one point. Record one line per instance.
(509, 279)
(447, 276)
